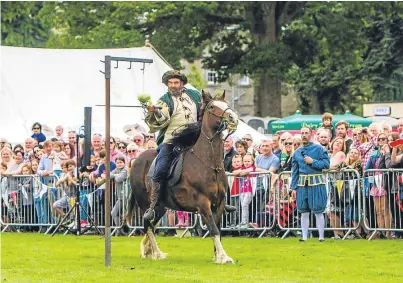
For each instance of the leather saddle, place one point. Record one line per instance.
(175, 170)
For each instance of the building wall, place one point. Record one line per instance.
(239, 92)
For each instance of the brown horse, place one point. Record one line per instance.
(203, 182)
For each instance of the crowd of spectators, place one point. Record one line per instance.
(54, 159)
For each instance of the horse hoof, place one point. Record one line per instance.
(224, 260)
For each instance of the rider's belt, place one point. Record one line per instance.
(311, 180)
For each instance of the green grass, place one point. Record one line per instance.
(39, 258)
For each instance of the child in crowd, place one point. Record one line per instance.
(26, 192)
(86, 186)
(67, 181)
(327, 120)
(58, 155)
(119, 176)
(3, 167)
(246, 189)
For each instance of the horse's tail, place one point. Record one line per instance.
(131, 203)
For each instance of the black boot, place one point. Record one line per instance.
(229, 208)
(154, 197)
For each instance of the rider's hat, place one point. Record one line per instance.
(174, 74)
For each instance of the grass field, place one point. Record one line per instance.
(39, 258)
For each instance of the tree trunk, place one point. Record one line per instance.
(267, 98)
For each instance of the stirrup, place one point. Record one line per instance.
(148, 214)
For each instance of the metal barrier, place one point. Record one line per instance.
(383, 204)
(253, 196)
(373, 203)
(343, 208)
(26, 202)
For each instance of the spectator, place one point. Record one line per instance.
(122, 147)
(139, 140)
(367, 147)
(96, 143)
(341, 132)
(69, 150)
(67, 181)
(297, 141)
(132, 153)
(241, 147)
(57, 156)
(18, 162)
(114, 152)
(386, 128)
(276, 144)
(46, 163)
(119, 176)
(37, 132)
(249, 141)
(18, 147)
(265, 162)
(246, 189)
(379, 189)
(59, 133)
(27, 201)
(286, 155)
(151, 144)
(324, 138)
(337, 157)
(229, 152)
(6, 155)
(3, 141)
(72, 136)
(327, 120)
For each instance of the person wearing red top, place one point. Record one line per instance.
(246, 189)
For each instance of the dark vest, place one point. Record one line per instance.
(167, 98)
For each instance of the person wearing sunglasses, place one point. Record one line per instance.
(37, 132)
(139, 140)
(115, 153)
(286, 155)
(122, 148)
(379, 190)
(132, 153)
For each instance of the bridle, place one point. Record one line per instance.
(223, 122)
(223, 126)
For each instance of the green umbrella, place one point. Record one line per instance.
(297, 121)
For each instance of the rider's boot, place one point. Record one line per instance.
(154, 197)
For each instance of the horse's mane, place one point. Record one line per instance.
(188, 134)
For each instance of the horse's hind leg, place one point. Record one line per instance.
(149, 247)
(220, 256)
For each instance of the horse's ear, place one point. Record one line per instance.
(206, 96)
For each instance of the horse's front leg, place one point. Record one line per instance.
(220, 256)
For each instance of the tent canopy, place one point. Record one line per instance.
(297, 121)
(52, 87)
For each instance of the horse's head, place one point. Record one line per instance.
(217, 114)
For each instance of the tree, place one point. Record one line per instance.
(20, 25)
(240, 36)
(195, 77)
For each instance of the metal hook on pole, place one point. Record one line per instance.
(117, 65)
(130, 66)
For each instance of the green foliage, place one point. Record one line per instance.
(195, 77)
(336, 55)
(21, 26)
(39, 258)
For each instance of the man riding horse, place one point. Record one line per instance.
(178, 107)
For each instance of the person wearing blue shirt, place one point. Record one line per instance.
(267, 161)
(37, 132)
(308, 183)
